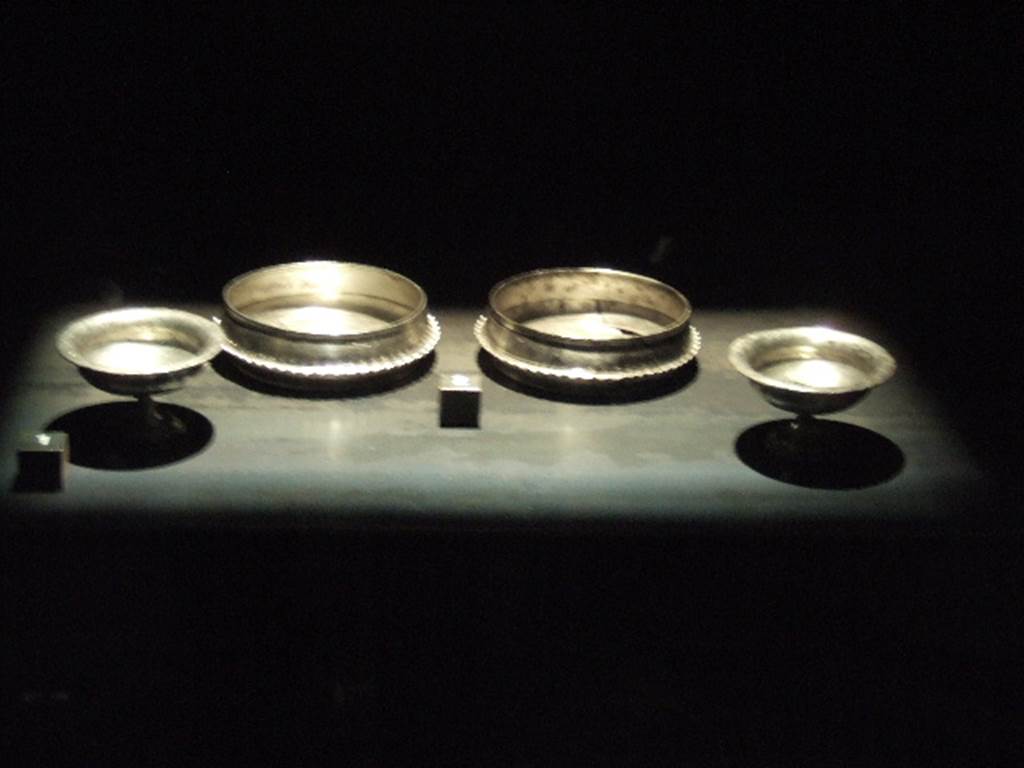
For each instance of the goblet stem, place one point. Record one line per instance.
(158, 424)
(796, 435)
(150, 416)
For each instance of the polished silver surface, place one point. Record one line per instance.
(587, 326)
(811, 370)
(315, 322)
(139, 350)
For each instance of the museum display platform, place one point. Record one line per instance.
(700, 448)
(305, 578)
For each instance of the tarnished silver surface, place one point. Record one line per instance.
(810, 370)
(139, 350)
(315, 322)
(587, 326)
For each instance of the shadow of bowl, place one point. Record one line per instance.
(589, 394)
(250, 378)
(116, 435)
(820, 453)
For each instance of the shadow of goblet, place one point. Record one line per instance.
(819, 453)
(126, 435)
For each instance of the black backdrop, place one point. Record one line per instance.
(830, 156)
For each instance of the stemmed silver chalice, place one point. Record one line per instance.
(141, 352)
(810, 371)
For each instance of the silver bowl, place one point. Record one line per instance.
(139, 351)
(315, 322)
(578, 327)
(811, 370)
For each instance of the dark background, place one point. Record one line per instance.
(849, 157)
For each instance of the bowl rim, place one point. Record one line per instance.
(240, 316)
(679, 325)
(207, 331)
(738, 355)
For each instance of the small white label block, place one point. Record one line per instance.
(42, 461)
(460, 397)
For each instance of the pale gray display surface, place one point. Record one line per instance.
(383, 459)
